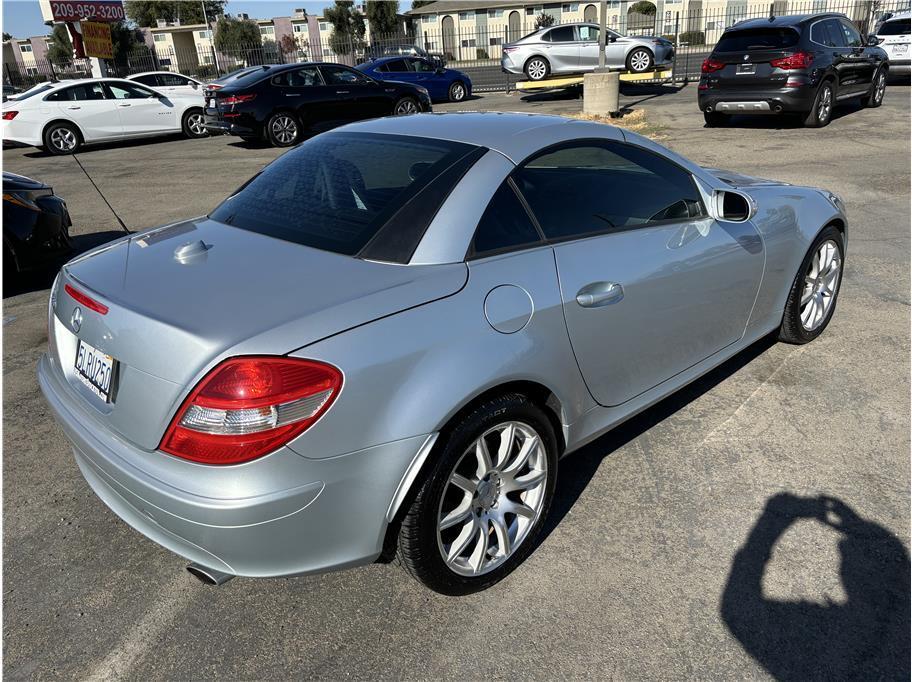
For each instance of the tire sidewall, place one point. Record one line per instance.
(56, 126)
(406, 98)
(792, 315)
(275, 142)
(813, 119)
(872, 98)
(434, 571)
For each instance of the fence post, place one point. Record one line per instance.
(674, 64)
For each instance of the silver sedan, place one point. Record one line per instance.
(573, 48)
(387, 338)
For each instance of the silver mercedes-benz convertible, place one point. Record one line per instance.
(386, 339)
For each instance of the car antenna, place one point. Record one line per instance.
(772, 16)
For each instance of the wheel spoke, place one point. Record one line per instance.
(461, 514)
(476, 560)
(530, 480)
(502, 533)
(483, 457)
(528, 446)
(462, 540)
(507, 435)
(518, 508)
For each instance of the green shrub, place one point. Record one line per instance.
(693, 37)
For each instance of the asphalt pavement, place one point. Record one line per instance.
(754, 525)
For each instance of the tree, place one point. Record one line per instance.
(421, 3)
(60, 48)
(148, 12)
(232, 33)
(6, 36)
(125, 36)
(348, 27)
(642, 7)
(382, 17)
(544, 20)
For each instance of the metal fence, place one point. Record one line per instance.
(25, 75)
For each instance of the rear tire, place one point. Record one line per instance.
(193, 124)
(822, 110)
(812, 299)
(283, 130)
(537, 69)
(457, 92)
(878, 88)
(496, 507)
(62, 138)
(714, 119)
(640, 60)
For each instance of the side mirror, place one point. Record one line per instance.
(734, 207)
(873, 40)
(612, 39)
(439, 70)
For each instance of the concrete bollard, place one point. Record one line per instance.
(600, 93)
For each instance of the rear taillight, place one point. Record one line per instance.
(247, 407)
(799, 60)
(10, 115)
(238, 99)
(508, 50)
(710, 65)
(88, 302)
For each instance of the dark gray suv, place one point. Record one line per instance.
(801, 64)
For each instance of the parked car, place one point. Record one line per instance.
(391, 334)
(222, 81)
(10, 91)
(281, 103)
(447, 85)
(574, 48)
(170, 83)
(66, 115)
(377, 51)
(803, 64)
(893, 37)
(36, 226)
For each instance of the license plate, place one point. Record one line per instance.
(900, 49)
(745, 68)
(95, 369)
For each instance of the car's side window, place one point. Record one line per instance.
(561, 34)
(505, 225)
(605, 186)
(87, 91)
(420, 66)
(589, 33)
(339, 75)
(171, 81)
(835, 33)
(149, 79)
(129, 91)
(397, 66)
(852, 36)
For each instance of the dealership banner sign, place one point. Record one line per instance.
(87, 10)
(96, 38)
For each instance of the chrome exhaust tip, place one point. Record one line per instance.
(778, 109)
(208, 575)
(709, 109)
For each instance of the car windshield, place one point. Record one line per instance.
(757, 39)
(899, 27)
(336, 191)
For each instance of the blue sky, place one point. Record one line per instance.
(22, 18)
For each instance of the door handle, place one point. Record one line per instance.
(342, 92)
(598, 294)
(125, 104)
(74, 108)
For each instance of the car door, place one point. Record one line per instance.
(359, 96)
(859, 63)
(589, 44)
(143, 111)
(303, 91)
(398, 70)
(91, 108)
(651, 285)
(562, 48)
(616, 47)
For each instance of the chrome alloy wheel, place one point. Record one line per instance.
(639, 61)
(63, 139)
(825, 105)
(880, 88)
(406, 107)
(195, 124)
(284, 129)
(537, 69)
(492, 499)
(458, 92)
(820, 284)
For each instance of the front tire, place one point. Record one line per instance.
(406, 106)
(812, 299)
(193, 124)
(822, 111)
(62, 138)
(878, 88)
(457, 92)
(537, 69)
(640, 60)
(283, 130)
(478, 513)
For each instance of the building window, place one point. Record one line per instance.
(531, 11)
(428, 18)
(267, 30)
(327, 52)
(495, 41)
(570, 8)
(200, 34)
(299, 28)
(207, 59)
(161, 37)
(164, 61)
(713, 25)
(466, 16)
(324, 26)
(468, 43)
(25, 48)
(495, 13)
(31, 71)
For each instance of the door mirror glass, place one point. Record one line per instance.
(734, 207)
(873, 40)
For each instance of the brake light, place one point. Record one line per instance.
(238, 99)
(10, 115)
(510, 49)
(799, 60)
(247, 407)
(710, 65)
(89, 303)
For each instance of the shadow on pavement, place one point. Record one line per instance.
(36, 280)
(867, 637)
(37, 153)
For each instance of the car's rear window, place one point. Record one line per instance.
(747, 39)
(338, 190)
(898, 27)
(33, 92)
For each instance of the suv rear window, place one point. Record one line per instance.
(748, 39)
(337, 191)
(899, 27)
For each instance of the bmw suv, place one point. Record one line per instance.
(801, 64)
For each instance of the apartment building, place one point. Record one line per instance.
(25, 55)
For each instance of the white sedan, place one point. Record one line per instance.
(63, 116)
(169, 83)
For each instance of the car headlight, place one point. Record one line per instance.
(837, 201)
(423, 91)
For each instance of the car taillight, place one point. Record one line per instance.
(799, 60)
(10, 115)
(238, 99)
(510, 49)
(246, 407)
(88, 302)
(710, 65)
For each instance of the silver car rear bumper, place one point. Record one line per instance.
(323, 514)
